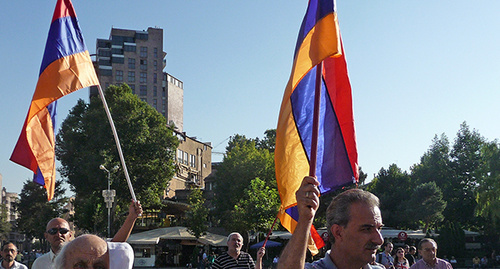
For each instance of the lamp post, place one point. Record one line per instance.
(108, 195)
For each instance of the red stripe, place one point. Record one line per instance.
(64, 8)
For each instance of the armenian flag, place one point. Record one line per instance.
(337, 165)
(66, 67)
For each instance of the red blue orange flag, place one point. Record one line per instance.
(66, 67)
(337, 165)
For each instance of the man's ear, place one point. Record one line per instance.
(337, 231)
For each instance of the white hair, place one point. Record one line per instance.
(231, 234)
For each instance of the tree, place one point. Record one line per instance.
(465, 164)
(242, 163)
(488, 191)
(34, 210)
(426, 205)
(197, 215)
(85, 141)
(256, 209)
(393, 186)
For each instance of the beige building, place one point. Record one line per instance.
(193, 164)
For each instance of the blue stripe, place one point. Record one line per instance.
(333, 169)
(293, 212)
(313, 15)
(65, 38)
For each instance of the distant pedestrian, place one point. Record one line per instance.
(427, 248)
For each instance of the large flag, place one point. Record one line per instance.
(66, 67)
(318, 41)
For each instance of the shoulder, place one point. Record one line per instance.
(20, 265)
(42, 261)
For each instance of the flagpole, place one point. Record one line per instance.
(117, 140)
(315, 128)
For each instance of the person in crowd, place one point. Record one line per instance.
(9, 253)
(235, 258)
(427, 248)
(58, 232)
(385, 257)
(410, 256)
(400, 262)
(484, 262)
(275, 261)
(353, 221)
(91, 251)
(476, 262)
(453, 262)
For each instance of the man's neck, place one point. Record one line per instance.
(233, 253)
(7, 265)
(342, 263)
(431, 262)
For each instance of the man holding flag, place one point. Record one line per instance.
(353, 221)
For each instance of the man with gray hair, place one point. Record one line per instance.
(353, 221)
(235, 258)
(427, 248)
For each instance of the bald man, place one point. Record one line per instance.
(58, 232)
(91, 251)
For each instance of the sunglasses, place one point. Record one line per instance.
(55, 230)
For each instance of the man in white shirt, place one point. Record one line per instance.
(58, 232)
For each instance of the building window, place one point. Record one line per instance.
(192, 161)
(144, 52)
(179, 155)
(144, 64)
(144, 77)
(186, 158)
(155, 103)
(163, 106)
(155, 51)
(155, 64)
(131, 76)
(143, 90)
(132, 86)
(119, 75)
(131, 63)
(155, 78)
(163, 94)
(155, 91)
(144, 100)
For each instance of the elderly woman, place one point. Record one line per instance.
(400, 262)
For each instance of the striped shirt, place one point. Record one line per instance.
(224, 261)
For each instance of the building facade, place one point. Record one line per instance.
(137, 59)
(193, 164)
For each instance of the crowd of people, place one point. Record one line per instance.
(353, 220)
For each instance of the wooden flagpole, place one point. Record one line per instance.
(117, 141)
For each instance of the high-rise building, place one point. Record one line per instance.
(137, 59)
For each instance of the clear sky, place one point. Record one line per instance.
(417, 68)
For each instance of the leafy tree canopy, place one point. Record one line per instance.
(85, 141)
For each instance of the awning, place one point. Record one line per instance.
(174, 233)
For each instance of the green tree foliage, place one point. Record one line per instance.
(242, 163)
(197, 215)
(256, 209)
(393, 186)
(85, 141)
(465, 163)
(34, 210)
(426, 205)
(488, 191)
(451, 240)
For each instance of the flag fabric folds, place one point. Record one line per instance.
(66, 67)
(318, 41)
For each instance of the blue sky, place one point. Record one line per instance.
(417, 68)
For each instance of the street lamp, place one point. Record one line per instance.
(109, 195)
